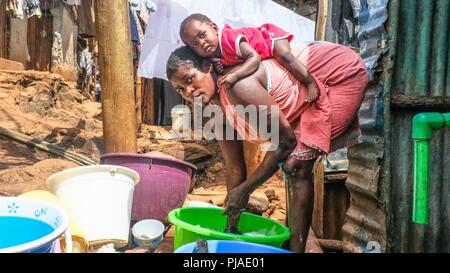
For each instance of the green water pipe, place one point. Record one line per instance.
(422, 131)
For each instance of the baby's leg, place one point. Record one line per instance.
(283, 54)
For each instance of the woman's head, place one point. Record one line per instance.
(200, 34)
(190, 75)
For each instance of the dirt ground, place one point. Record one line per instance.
(45, 107)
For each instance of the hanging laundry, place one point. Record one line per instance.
(98, 92)
(138, 26)
(135, 5)
(86, 61)
(33, 8)
(143, 13)
(15, 8)
(72, 2)
(150, 5)
(162, 33)
(133, 28)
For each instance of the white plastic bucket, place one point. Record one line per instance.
(100, 197)
(181, 119)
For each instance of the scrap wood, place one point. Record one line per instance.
(322, 18)
(190, 152)
(312, 244)
(339, 246)
(45, 146)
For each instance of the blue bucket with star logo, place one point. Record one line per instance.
(32, 226)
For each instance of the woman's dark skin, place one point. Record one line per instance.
(190, 83)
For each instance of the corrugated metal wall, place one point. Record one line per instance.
(405, 235)
(421, 65)
(415, 77)
(366, 217)
(419, 46)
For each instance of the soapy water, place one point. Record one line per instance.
(264, 232)
(254, 233)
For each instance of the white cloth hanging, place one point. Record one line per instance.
(72, 2)
(86, 61)
(162, 34)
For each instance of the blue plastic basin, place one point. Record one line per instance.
(226, 246)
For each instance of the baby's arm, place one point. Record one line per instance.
(248, 67)
(282, 53)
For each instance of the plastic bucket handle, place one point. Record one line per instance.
(68, 241)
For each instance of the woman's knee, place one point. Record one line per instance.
(299, 170)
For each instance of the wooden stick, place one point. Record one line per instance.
(321, 22)
(339, 246)
(47, 147)
(319, 196)
(138, 90)
(116, 65)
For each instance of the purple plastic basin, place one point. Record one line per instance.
(164, 183)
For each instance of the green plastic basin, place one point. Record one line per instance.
(208, 223)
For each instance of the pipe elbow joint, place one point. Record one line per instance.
(424, 123)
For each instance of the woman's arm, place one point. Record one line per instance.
(233, 154)
(235, 168)
(246, 92)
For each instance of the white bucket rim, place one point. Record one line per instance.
(43, 240)
(54, 179)
(180, 110)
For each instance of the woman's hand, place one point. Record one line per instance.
(237, 201)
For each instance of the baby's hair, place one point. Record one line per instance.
(195, 16)
(182, 56)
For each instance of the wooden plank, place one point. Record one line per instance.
(18, 41)
(414, 101)
(335, 177)
(138, 91)
(10, 65)
(31, 42)
(149, 103)
(3, 30)
(46, 57)
(40, 43)
(319, 192)
(340, 246)
(312, 244)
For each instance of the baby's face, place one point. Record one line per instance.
(202, 37)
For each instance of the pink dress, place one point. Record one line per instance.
(329, 123)
(261, 39)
